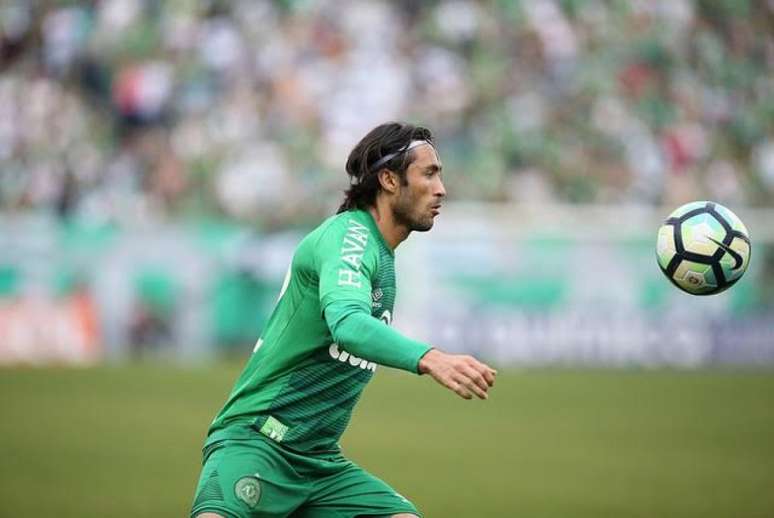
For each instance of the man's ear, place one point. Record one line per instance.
(389, 181)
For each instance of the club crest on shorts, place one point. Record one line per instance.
(248, 490)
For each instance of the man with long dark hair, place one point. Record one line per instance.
(273, 448)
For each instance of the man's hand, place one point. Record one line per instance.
(460, 373)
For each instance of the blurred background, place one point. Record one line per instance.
(159, 162)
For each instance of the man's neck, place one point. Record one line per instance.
(392, 232)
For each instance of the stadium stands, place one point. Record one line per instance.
(127, 110)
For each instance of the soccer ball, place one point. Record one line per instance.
(703, 248)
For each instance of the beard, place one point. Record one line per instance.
(406, 213)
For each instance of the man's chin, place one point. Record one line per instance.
(423, 226)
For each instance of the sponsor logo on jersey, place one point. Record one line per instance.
(248, 490)
(274, 429)
(345, 357)
(386, 317)
(376, 296)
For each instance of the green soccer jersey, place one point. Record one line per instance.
(323, 341)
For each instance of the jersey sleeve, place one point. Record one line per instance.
(370, 338)
(347, 261)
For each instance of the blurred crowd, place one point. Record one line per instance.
(135, 110)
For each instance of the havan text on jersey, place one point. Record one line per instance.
(352, 250)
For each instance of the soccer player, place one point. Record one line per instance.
(273, 449)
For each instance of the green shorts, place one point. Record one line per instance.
(259, 479)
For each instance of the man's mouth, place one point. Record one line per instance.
(436, 209)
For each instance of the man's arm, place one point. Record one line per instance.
(363, 335)
(345, 260)
(356, 330)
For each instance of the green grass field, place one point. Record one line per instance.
(114, 442)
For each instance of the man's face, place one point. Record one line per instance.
(418, 202)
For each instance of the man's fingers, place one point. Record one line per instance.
(465, 376)
(478, 391)
(460, 385)
(486, 372)
(477, 378)
(489, 374)
(460, 390)
(474, 383)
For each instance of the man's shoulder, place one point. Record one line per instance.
(353, 223)
(344, 236)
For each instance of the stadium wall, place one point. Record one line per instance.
(524, 285)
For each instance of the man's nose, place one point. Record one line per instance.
(440, 190)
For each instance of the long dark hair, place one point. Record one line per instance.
(388, 141)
